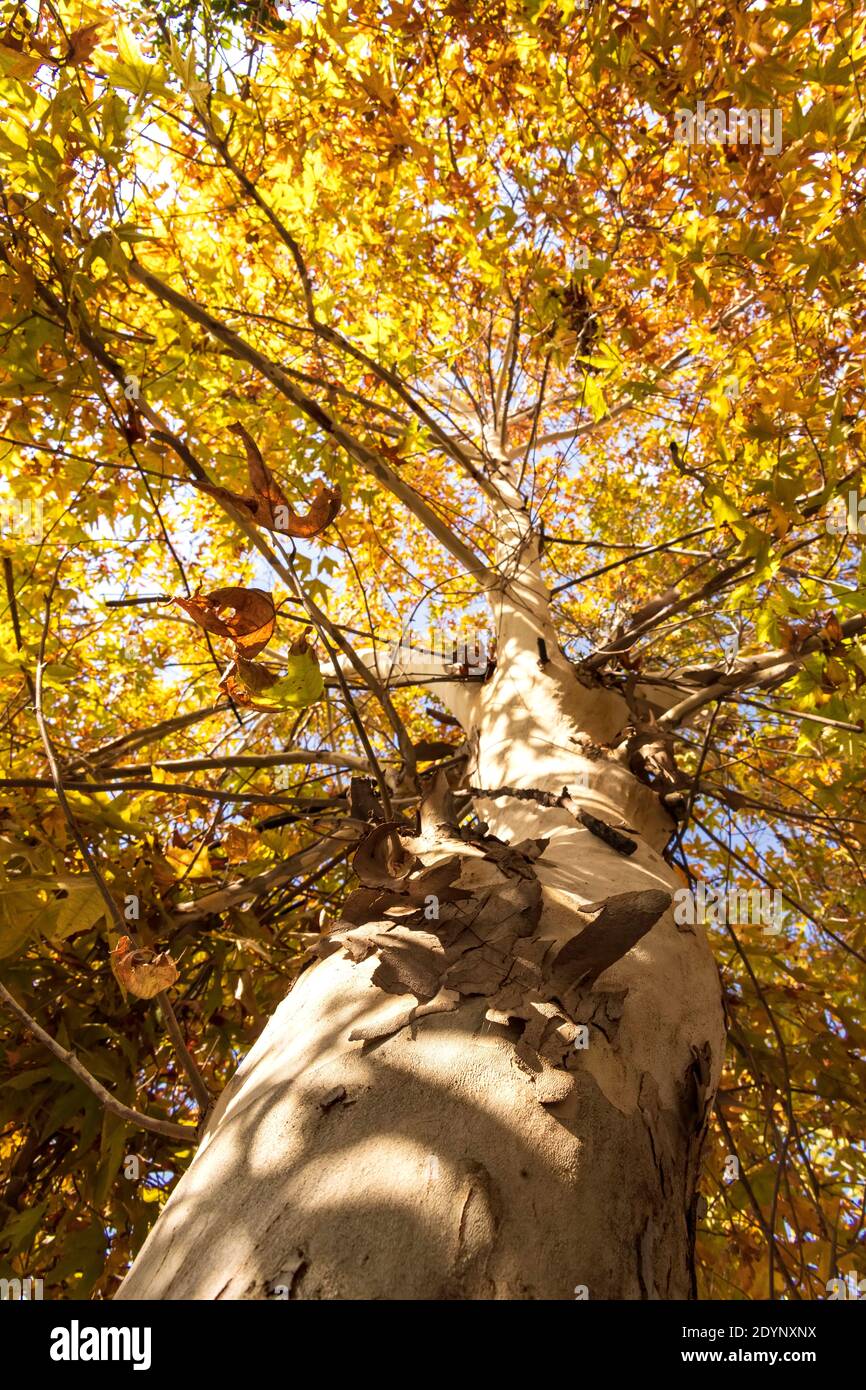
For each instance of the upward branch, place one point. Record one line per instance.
(373, 463)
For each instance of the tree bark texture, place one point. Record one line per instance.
(496, 1081)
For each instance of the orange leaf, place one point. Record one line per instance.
(323, 508)
(832, 629)
(82, 44)
(134, 431)
(251, 627)
(140, 970)
(269, 506)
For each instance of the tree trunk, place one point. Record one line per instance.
(524, 1117)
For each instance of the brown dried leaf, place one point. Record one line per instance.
(240, 844)
(82, 43)
(250, 628)
(793, 635)
(269, 506)
(264, 484)
(832, 629)
(323, 508)
(140, 970)
(252, 677)
(134, 431)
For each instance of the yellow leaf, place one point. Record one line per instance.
(19, 909)
(190, 863)
(80, 908)
(128, 50)
(15, 64)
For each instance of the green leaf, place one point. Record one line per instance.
(19, 1230)
(19, 911)
(301, 685)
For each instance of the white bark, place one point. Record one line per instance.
(437, 1163)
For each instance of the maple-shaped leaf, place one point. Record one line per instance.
(250, 628)
(269, 506)
(15, 63)
(140, 970)
(77, 910)
(82, 43)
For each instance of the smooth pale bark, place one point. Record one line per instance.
(433, 1163)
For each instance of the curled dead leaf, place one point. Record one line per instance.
(323, 508)
(380, 860)
(793, 635)
(832, 630)
(250, 628)
(140, 970)
(269, 506)
(245, 680)
(134, 431)
(298, 685)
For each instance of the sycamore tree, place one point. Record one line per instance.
(432, 655)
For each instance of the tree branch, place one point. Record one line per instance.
(195, 1077)
(160, 789)
(139, 738)
(327, 422)
(673, 364)
(179, 1133)
(330, 335)
(783, 664)
(302, 756)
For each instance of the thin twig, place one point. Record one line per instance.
(197, 1082)
(180, 1133)
(755, 1204)
(801, 714)
(158, 788)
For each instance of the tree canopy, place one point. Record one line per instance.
(281, 289)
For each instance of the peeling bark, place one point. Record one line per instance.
(505, 1100)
